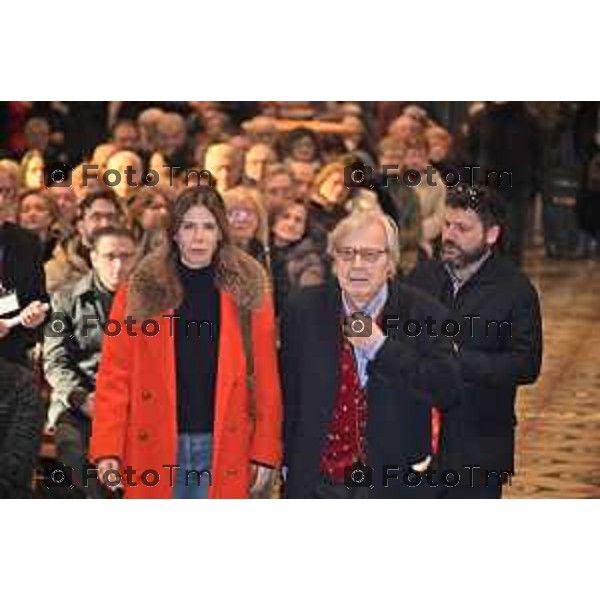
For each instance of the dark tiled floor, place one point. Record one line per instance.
(558, 441)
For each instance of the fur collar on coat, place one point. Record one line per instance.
(154, 285)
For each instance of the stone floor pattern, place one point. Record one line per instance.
(558, 438)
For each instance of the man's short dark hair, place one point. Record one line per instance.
(89, 199)
(111, 231)
(489, 206)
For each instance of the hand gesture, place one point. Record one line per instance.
(371, 341)
(34, 314)
(109, 480)
(259, 478)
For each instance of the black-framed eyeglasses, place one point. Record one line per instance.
(368, 255)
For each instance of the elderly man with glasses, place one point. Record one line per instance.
(359, 385)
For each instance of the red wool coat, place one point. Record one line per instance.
(135, 415)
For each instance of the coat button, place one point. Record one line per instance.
(231, 472)
(146, 395)
(143, 436)
(232, 428)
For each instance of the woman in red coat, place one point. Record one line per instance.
(173, 391)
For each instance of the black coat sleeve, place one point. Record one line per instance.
(28, 269)
(425, 362)
(23, 271)
(288, 353)
(36, 289)
(521, 363)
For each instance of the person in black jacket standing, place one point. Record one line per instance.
(587, 144)
(359, 390)
(499, 342)
(505, 137)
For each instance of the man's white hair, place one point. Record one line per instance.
(359, 219)
(221, 149)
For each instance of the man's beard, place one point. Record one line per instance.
(464, 258)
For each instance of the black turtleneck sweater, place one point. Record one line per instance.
(196, 349)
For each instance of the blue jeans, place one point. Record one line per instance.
(194, 454)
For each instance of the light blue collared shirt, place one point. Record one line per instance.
(372, 309)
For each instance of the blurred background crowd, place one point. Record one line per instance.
(281, 165)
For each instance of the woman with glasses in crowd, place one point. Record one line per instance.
(248, 223)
